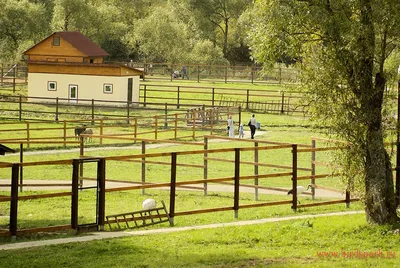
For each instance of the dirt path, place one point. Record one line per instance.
(109, 235)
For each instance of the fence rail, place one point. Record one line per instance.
(236, 180)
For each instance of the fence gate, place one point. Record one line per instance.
(88, 194)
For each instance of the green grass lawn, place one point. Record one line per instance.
(340, 241)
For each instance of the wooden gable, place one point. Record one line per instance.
(66, 47)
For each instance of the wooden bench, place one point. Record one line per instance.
(140, 218)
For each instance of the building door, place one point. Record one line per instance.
(130, 85)
(73, 93)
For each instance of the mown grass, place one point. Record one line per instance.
(305, 243)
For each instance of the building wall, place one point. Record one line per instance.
(89, 87)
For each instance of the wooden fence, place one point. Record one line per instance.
(223, 73)
(191, 124)
(13, 75)
(293, 175)
(259, 101)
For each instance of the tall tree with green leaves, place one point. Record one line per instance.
(20, 23)
(343, 46)
(220, 15)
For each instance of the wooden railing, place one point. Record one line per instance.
(175, 160)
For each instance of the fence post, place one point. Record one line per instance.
(81, 155)
(20, 107)
(252, 75)
(226, 74)
(294, 177)
(205, 163)
(198, 74)
(135, 130)
(1, 78)
(14, 200)
(313, 158)
(74, 197)
(92, 112)
(256, 170)
(127, 113)
(236, 186)
(101, 131)
(155, 127)
(144, 95)
(14, 74)
(211, 120)
(57, 109)
(27, 134)
(194, 124)
(101, 191)
(166, 116)
(240, 115)
(65, 132)
(26, 74)
(347, 198)
(177, 99)
(143, 166)
(21, 168)
(213, 97)
(247, 99)
(283, 102)
(172, 188)
(176, 126)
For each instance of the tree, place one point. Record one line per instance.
(160, 37)
(221, 14)
(343, 46)
(20, 22)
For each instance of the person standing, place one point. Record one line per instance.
(231, 127)
(241, 131)
(253, 125)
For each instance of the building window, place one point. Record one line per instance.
(56, 40)
(52, 86)
(108, 88)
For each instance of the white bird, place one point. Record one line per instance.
(149, 204)
(300, 189)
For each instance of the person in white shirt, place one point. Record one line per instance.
(253, 125)
(231, 127)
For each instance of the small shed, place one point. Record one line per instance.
(4, 149)
(68, 65)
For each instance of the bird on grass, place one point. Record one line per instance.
(149, 204)
(300, 189)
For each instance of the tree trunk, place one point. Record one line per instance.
(379, 191)
(380, 205)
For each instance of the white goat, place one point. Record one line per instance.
(149, 203)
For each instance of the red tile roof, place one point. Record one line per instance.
(82, 43)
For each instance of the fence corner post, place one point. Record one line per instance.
(172, 188)
(237, 182)
(14, 200)
(294, 177)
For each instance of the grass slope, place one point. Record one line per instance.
(345, 241)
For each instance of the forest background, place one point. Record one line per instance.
(192, 31)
